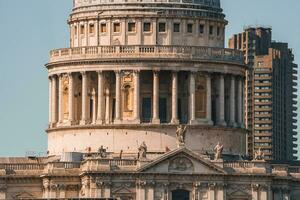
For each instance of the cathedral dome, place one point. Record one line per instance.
(83, 3)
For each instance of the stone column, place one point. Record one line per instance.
(50, 102)
(221, 120)
(240, 102)
(107, 106)
(232, 102)
(71, 99)
(137, 97)
(94, 117)
(60, 99)
(100, 111)
(192, 104)
(118, 98)
(155, 118)
(208, 99)
(84, 99)
(174, 119)
(54, 101)
(212, 193)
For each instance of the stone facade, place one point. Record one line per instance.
(138, 104)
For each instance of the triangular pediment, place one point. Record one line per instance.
(122, 190)
(23, 195)
(182, 161)
(239, 194)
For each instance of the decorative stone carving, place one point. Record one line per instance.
(142, 151)
(218, 151)
(259, 155)
(181, 164)
(180, 134)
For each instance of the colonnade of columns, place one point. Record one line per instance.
(101, 102)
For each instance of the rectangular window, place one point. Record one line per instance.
(82, 29)
(162, 27)
(176, 27)
(103, 28)
(211, 30)
(218, 31)
(131, 27)
(117, 27)
(92, 28)
(189, 28)
(201, 28)
(147, 27)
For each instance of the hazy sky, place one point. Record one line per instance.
(30, 28)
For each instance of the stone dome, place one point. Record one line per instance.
(84, 3)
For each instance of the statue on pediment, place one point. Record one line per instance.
(142, 151)
(259, 155)
(218, 151)
(180, 134)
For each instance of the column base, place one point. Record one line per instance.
(200, 122)
(117, 121)
(222, 123)
(233, 124)
(83, 122)
(155, 121)
(100, 121)
(174, 121)
(241, 125)
(70, 123)
(133, 121)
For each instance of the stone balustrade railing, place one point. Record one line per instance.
(21, 166)
(144, 51)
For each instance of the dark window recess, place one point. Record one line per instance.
(211, 30)
(201, 28)
(147, 27)
(176, 27)
(162, 27)
(190, 28)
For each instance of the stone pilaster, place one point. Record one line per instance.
(174, 119)
(54, 101)
(137, 97)
(84, 99)
(208, 100)
(240, 102)
(94, 116)
(232, 102)
(50, 102)
(107, 106)
(100, 111)
(221, 118)
(192, 98)
(155, 119)
(118, 97)
(71, 99)
(60, 99)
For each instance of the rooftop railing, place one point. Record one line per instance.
(147, 52)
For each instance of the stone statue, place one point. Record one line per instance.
(102, 152)
(142, 151)
(219, 149)
(259, 155)
(180, 134)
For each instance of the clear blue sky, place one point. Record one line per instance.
(30, 28)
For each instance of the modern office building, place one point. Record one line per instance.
(147, 104)
(270, 114)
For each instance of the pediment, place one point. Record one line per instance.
(182, 161)
(239, 194)
(24, 195)
(122, 190)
